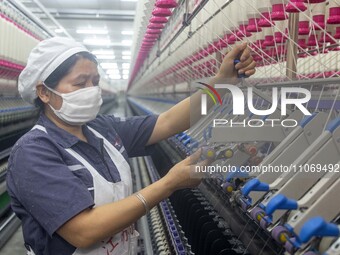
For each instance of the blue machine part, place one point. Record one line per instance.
(307, 119)
(254, 185)
(333, 124)
(317, 226)
(280, 202)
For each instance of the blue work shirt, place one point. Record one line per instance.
(48, 186)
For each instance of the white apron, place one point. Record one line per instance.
(125, 242)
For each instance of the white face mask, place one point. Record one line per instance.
(79, 106)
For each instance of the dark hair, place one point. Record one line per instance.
(61, 71)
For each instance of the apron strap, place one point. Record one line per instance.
(116, 156)
(40, 127)
(83, 161)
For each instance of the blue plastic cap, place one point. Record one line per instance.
(237, 174)
(317, 226)
(182, 137)
(208, 132)
(194, 144)
(333, 124)
(254, 185)
(280, 202)
(236, 61)
(187, 140)
(307, 119)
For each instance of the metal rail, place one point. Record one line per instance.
(48, 14)
(186, 22)
(293, 25)
(18, 5)
(138, 166)
(304, 83)
(7, 228)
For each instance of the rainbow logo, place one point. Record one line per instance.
(208, 91)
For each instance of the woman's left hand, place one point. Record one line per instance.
(246, 66)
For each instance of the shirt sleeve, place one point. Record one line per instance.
(134, 132)
(43, 184)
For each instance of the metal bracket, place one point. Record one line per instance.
(186, 22)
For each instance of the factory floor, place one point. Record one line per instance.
(15, 245)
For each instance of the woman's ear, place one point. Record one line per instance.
(43, 93)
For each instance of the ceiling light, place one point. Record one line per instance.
(112, 71)
(59, 30)
(127, 32)
(125, 77)
(126, 71)
(127, 42)
(126, 57)
(103, 52)
(126, 65)
(92, 31)
(108, 65)
(106, 57)
(115, 77)
(126, 53)
(98, 42)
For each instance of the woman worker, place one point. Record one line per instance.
(68, 178)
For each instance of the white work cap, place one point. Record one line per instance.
(42, 61)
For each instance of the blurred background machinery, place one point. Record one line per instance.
(177, 44)
(295, 45)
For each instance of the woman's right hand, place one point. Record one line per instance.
(184, 174)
